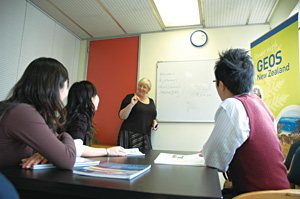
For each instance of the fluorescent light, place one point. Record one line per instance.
(178, 12)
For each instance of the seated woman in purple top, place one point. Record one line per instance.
(30, 116)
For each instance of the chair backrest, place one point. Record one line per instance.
(272, 194)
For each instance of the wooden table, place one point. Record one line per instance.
(161, 182)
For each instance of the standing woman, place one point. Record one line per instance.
(31, 114)
(82, 103)
(138, 112)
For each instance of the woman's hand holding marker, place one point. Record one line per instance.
(155, 125)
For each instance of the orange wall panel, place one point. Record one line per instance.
(112, 67)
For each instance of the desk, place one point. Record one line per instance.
(161, 182)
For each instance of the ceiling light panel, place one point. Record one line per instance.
(178, 12)
(135, 16)
(220, 13)
(261, 11)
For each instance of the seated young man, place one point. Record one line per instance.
(243, 142)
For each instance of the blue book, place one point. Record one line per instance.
(113, 170)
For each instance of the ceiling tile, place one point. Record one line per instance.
(220, 13)
(261, 11)
(98, 19)
(49, 9)
(89, 15)
(134, 15)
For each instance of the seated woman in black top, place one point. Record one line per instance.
(293, 164)
(291, 154)
(82, 103)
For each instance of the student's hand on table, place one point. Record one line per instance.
(116, 151)
(33, 160)
(200, 154)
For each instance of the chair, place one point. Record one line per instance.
(271, 194)
(7, 189)
(227, 182)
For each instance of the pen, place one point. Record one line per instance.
(156, 125)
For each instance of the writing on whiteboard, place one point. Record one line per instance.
(185, 91)
(169, 84)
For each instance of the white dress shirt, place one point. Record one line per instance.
(231, 130)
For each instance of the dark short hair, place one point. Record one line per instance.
(236, 70)
(79, 103)
(40, 87)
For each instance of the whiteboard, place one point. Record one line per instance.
(185, 91)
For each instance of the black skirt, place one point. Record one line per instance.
(129, 139)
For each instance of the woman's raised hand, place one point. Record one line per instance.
(134, 100)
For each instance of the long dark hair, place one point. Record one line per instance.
(79, 103)
(40, 87)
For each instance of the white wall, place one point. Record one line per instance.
(174, 46)
(282, 12)
(295, 11)
(26, 34)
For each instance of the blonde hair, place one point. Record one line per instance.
(145, 81)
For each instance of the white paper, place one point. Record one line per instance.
(178, 159)
(134, 152)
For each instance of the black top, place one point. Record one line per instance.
(291, 154)
(78, 128)
(294, 175)
(294, 152)
(141, 117)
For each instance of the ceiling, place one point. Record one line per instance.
(96, 19)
